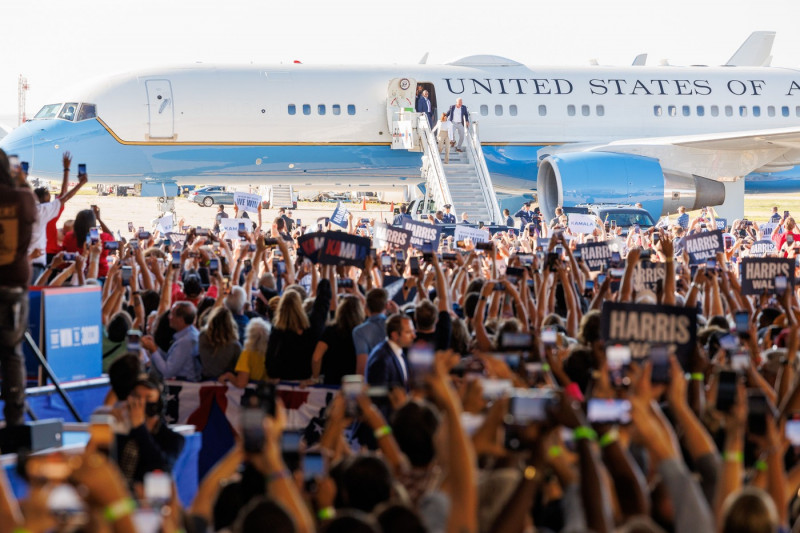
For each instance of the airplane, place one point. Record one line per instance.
(665, 136)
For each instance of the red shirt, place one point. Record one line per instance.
(51, 231)
(782, 240)
(71, 245)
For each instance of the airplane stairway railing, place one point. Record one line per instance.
(432, 168)
(482, 173)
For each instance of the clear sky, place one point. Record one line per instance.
(55, 43)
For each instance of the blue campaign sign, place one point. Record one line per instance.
(339, 216)
(35, 329)
(73, 332)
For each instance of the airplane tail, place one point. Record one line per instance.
(756, 51)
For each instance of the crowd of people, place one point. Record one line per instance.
(478, 388)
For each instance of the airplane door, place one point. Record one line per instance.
(160, 109)
(400, 97)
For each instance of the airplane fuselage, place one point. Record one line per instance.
(327, 125)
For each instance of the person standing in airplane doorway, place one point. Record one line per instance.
(424, 106)
(459, 116)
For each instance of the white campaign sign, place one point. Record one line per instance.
(477, 235)
(246, 201)
(231, 225)
(766, 229)
(581, 223)
(164, 224)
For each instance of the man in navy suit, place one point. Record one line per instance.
(459, 116)
(386, 365)
(424, 106)
(401, 217)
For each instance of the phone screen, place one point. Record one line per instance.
(126, 275)
(742, 322)
(176, 259)
(420, 363)
(253, 429)
(549, 336)
(414, 265)
(313, 466)
(793, 432)
(352, 385)
(81, 169)
(659, 357)
(386, 261)
(726, 390)
(608, 411)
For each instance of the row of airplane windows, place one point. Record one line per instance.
(336, 109)
(728, 110)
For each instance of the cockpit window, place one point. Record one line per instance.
(48, 111)
(87, 111)
(68, 113)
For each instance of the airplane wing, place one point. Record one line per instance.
(713, 155)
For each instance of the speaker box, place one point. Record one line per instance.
(34, 436)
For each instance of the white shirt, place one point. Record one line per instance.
(398, 354)
(45, 212)
(457, 115)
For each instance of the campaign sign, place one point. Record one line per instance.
(392, 237)
(231, 225)
(757, 275)
(462, 231)
(73, 332)
(543, 243)
(766, 229)
(641, 326)
(579, 223)
(422, 233)
(703, 246)
(762, 248)
(164, 224)
(308, 245)
(596, 255)
(246, 201)
(344, 249)
(722, 223)
(339, 216)
(647, 275)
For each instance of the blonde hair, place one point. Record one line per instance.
(290, 314)
(256, 335)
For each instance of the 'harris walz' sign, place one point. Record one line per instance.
(757, 275)
(342, 248)
(643, 325)
(422, 233)
(703, 246)
(647, 275)
(596, 255)
(391, 236)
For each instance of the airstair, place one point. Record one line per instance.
(464, 182)
(280, 196)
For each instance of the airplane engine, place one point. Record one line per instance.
(609, 178)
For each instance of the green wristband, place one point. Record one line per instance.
(609, 438)
(326, 513)
(584, 432)
(119, 509)
(383, 431)
(697, 376)
(554, 451)
(545, 367)
(761, 465)
(734, 457)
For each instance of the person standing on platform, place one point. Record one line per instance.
(424, 106)
(524, 215)
(509, 218)
(17, 217)
(459, 116)
(448, 217)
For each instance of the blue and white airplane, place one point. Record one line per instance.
(665, 136)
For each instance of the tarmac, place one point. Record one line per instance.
(117, 211)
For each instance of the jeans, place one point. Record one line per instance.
(13, 325)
